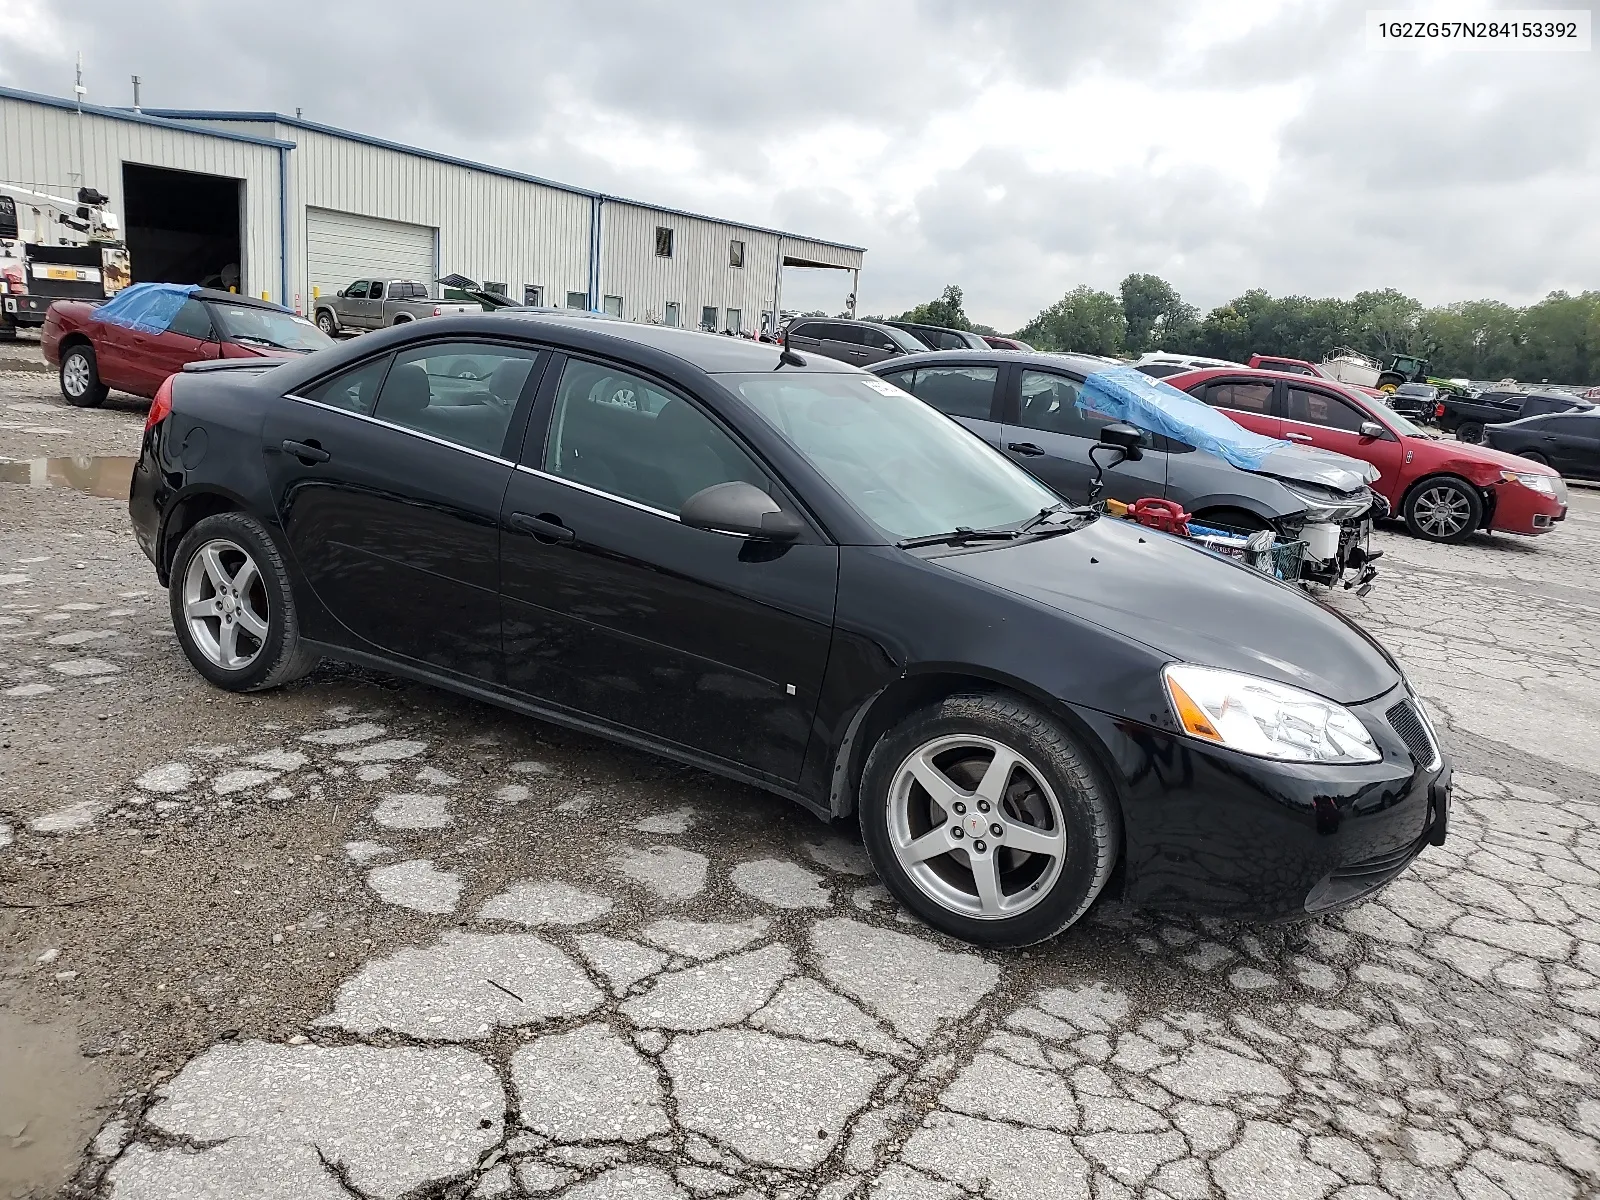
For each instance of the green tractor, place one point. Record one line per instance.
(1407, 368)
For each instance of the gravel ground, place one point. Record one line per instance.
(358, 937)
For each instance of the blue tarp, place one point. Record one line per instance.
(147, 307)
(1132, 396)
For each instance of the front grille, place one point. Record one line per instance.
(1414, 732)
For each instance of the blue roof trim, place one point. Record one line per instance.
(137, 118)
(203, 114)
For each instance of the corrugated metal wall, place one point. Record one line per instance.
(39, 144)
(699, 273)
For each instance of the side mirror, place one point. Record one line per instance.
(740, 508)
(340, 293)
(1371, 429)
(1125, 438)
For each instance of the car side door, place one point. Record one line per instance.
(968, 392)
(617, 613)
(388, 486)
(875, 345)
(1317, 417)
(191, 337)
(1048, 435)
(1572, 444)
(352, 305)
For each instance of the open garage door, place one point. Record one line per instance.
(343, 247)
(182, 227)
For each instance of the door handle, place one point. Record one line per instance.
(1298, 437)
(1549, 437)
(551, 532)
(1026, 449)
(306, 452)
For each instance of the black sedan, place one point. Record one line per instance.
(1569, 442)
(793, 573)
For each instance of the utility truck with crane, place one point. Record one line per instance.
(55, 248)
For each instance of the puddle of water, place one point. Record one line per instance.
(53, 1095)
(105, 475)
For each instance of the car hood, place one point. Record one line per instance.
(1189, 604)
(1325, 468)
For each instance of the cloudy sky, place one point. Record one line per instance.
(1016, 148)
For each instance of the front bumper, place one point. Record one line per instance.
(1211, 830)
(1519, 509)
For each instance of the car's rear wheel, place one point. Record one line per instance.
(80, 378)
(1470, 432)
(233, 607)
(1534, 456)
(1443, 510)
(988, 820)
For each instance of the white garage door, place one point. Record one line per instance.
(342, 247)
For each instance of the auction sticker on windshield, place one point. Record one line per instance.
(882, 387)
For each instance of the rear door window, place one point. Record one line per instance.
(1237, 394)
(957, 391)
(355, 390)
(460, 392)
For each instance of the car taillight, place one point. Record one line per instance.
(161, 406)
(438, 310)
(14, 281)
(1438, 410)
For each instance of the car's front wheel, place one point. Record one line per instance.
(1443, 510)
(988, 820)
(233, 607)
(80, 378)
(325, 323)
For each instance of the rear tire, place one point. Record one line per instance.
(1048, 796)
(1443, 509)
(1470, 432)
(80, 378)
(233, 606)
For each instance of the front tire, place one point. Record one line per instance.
(1443, 510)
(233, 607)
(80, 378)
(325, 323)
(938, 786)
(1470, 432)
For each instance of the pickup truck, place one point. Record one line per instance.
(1467, 417)
(377, 303)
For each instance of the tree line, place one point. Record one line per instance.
(1556, 340)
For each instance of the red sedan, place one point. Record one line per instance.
(1445, 490)
(94, 356)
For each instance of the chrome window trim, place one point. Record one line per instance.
(594, 491)
(416, 433)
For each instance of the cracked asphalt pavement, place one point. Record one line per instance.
(360, 938)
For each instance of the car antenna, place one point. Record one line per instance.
(787, 357)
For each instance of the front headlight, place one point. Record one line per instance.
(1269, 720)
(1539, 483)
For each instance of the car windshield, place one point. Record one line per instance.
(268, 327)
(909, 469)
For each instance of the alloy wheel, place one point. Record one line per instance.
(1443, 511)
(976, 827)
(225, 604)
(75, 374)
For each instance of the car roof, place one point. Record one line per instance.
(710, 352)
(1084, 364)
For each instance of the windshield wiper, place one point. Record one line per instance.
(250, 337)
(960, 533)
(1039, 518)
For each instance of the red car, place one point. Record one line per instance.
(1445, 490)
(95, 356)
(996, 342)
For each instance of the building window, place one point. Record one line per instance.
(663, 242)
(613, 306)
(735, 321)
(499, 289)
(708, 318)
(578, 300)
(671, 317)
(736, 253)
(533, 295)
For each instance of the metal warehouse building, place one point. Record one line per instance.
(287, 208)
